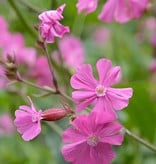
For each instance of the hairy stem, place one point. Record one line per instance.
(54, 4)
(50, 67)
(140, 140)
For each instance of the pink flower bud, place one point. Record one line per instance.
(54, 114)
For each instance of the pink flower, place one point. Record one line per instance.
(87, 6)
(122, 10)
(3, 79)
(28, 121)
(72, 51)
(3, 24)
(15, 48)
(5, 35)
(90, 138)
(41, 72)
(99, 92)
(101, 36)
(6, 125)
(50, 26)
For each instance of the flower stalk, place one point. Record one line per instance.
(51, 67)
(140, 140)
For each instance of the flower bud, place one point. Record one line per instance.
(10, 68)
(54, 114)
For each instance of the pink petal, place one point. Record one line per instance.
(123, 92)
(32, 132)
(111, 134)
(59, 30)
(88, 6)
(102, 154)
(103, 66)
(118, 99)
(82, 125)
(107, 13)
(84, 78)
(104, 106)
(20, 113)
(113, 76)
(82, 105)
(25, 108)
(73, 135)
(75, 152)
(125, 15)
(82, 95)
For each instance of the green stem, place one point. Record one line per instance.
(30, 6)
(46, 89)
(54, 4)
(36, 86)
(140, 140)
(50, 67)
(66, 96)
(21, 17)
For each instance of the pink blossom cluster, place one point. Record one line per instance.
(12, 45)
(90, 137)
(119, 10)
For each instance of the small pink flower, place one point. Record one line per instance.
(90, 138)
(3, 24)
(99, 92)
(50, 26)
(122, 10)
(3, 79)
(101, 36)
(6, 125)
(87, 6)
(28, 121)
(41, 72)
(72, 51)
(11, 42)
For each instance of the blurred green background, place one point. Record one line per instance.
(125, 47)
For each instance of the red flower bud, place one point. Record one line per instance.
(54, 114)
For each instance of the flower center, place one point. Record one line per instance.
(92, 140)
(35, 117)
(100, 90)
